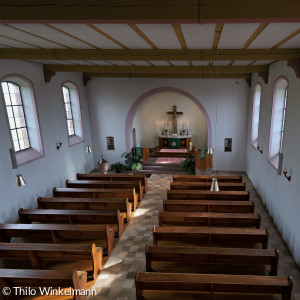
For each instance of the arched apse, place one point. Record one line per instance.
(136, 105)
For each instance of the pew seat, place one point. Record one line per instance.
(87, 203)
(208, 195)
(97, 193)
(209, 206)
(60, 232)
(206, 178)
(39, 254)
(210, 236)
(111, 218)
(211, 259)
(105, 184)
(212, 284)
(115, 177)
(44, 279)
(166, 218)
(223, 186)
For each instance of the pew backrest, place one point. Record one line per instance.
(166, 218)
(37, 253)
(87, 204)
(206, 178)
(223, 186)
(209, 206)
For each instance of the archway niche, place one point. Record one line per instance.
(149, 111)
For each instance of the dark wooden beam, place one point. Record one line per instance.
(155, 69)
(149, 11)
(264, 75)
(155, 54)
(160, 75)
(48, 74)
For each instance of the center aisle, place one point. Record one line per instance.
(116, 281)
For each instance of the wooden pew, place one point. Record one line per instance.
(97, 193)
(87, 203)
(208, 195)
(223, 186)
(42, 278)
(117, 177)
(111, 218)
(206, 178)
(38, 253)
(212, 256)
(58, 232)
(167, 218)
(210, 236)
(209, 206)
(213, 283)
(105, 184)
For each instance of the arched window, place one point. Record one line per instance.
(22, 118)
(255, 115)
(72, 113)
(278, 121)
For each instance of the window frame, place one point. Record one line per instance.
(78, 136)
(255, 114)
(36, 151)
(273, 158)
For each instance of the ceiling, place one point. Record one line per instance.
(228, 48)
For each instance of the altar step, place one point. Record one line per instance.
(169, 154)
(161, 168)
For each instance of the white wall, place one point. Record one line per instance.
(280, 196)
(56, 166)
(153, 111)
(111, 99)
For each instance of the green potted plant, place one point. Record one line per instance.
(103, 165)
(132, 162)
(166, 131)
(183, 131)
(188, 164)
(118, 167)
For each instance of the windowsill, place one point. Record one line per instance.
(75, 139)
(27, 156)
(274, 161)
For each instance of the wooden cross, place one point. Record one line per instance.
(175, 112)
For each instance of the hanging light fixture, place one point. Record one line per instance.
(20, 180)
(214, 184)
(88, 149)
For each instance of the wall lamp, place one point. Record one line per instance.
(259, 148)
(287, 177)
(58, 145)
(20, 181)
(88, 149)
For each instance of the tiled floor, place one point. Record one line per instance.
(117, 278)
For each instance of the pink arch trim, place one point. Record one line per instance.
(143, 97)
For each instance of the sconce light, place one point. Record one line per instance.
(287, 177)
(259, 148)
(214, 185)
(58, 145)
(88, 149)
(19, 178)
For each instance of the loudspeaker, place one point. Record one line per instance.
(13, 158)
(280, 164)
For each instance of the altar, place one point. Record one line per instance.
(175, 142)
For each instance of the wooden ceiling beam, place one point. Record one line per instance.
(156, 54)
(155, 69)
(177, 75)
(149, 11)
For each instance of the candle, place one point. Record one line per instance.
(169, 124)
(187, 125)
(180, 125)
(191, 146)
(162, 125)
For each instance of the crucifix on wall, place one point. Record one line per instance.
(175, 113)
